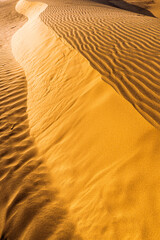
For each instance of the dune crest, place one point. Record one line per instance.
(29, 9)
(153, 5)
(102, 154)
(121, 45)
(30, 206)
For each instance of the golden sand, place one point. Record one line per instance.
(82, 163)
(30, 207)
(153, 6)
(122, 46)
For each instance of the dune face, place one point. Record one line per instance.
(122, 46)
(102, 155)
(29, 207)
(153, 5)
(79, 122)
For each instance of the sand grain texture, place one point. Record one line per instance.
(102, 154)
(29, 207)
(124, 47)
(80, 123)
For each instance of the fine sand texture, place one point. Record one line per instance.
(153, 6)
(79, 121)
(124, 47)
(30, 209)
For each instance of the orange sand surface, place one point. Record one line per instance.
(79, 120)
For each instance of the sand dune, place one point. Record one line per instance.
(122, 46)
(103, 156)
(78, 161)
(29, 207)
(153, 6)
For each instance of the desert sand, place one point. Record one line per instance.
(79, 120)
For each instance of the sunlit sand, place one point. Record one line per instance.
(80, 120)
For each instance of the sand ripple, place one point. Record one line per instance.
(123, 46)
(29, 208)
(102, 155)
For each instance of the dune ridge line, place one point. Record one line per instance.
(103, 156)
(30, 206)
(122, 46)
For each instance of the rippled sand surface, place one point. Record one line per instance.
(79, 121)
(122, 46)
(29, 207)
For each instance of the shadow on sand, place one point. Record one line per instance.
(126, 6)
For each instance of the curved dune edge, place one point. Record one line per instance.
(155, 8)
(102, 154)
(121, 45)
(152, 6)
(30, 208)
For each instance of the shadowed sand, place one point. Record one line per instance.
(122, 46)
(30, 207)
(127, 5)
(151, 5)
(102, 155)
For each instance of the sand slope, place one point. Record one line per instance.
(122, 46)
(29, 207)
(102, 155)
(153, 6)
